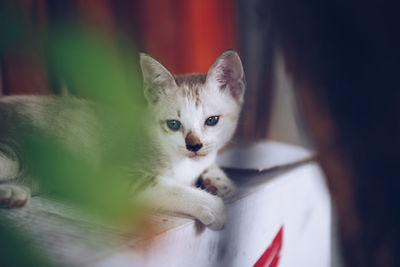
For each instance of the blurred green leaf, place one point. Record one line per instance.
(15, 251)
(96, 68)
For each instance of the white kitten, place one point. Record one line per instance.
(191, 118)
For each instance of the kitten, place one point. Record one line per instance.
(191, 118)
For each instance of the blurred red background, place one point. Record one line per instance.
(186, 36)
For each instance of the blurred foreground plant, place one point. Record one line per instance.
(96, 68)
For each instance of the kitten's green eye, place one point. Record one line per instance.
(174, 125)
(211, 121)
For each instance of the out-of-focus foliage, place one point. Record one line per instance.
(103, 71)
(14, 252)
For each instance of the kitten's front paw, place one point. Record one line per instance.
(213, 214)
(217, 183)
(12, 196)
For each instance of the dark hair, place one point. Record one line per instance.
(345, 59)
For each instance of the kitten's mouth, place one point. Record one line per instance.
(195, 155)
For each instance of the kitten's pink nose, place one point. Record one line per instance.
(193, 142)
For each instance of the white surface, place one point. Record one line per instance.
(262, 156)
(296, 199)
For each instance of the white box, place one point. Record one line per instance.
(282, 211)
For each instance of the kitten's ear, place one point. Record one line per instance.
(156, 78)
(227, 72)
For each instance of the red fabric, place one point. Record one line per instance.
(270, 258)
(184, 35)
(24, 73)
(23, 69)
(188, 35)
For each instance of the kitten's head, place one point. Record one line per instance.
(195, 114)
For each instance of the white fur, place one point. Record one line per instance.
(192, 117)
(12, 195)
(175, 188)
(215, 177)
(8, 168)
(186, 170)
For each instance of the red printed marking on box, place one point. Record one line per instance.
(270, 258)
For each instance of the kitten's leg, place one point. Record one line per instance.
(168, 195)
(217, 183)
(11, 194)
(8, 167)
